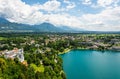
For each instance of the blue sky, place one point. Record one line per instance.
(94, 15)
(79, 5)
(35, 1)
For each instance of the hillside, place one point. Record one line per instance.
(6, 26)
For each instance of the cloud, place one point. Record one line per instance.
(87, 2)
(105, 3)
(50, 5)
(70, 5)
(64, 20)
(20, 12)
(108, 19)
(66, 1)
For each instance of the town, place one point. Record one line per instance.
(45, 41)
(38, 54)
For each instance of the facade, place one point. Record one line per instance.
(19, 53)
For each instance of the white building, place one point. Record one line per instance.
(19, 53)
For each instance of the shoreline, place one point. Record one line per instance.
(65, 51)
(68, 50)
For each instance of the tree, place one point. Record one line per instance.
(21, 76)
(3, 65)
(63, 75)
(30, 73)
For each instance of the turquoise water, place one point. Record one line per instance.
(89, 64)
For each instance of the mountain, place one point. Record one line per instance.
(2, 20)
(69, 29)
(6, 26)
(47, 27)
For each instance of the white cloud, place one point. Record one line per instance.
(70, 5)
(87, 2)
(64, 20)
(51, 5)
(66, 1)
(19, 12)
(105, 3)
(108, 19)
(16, 10)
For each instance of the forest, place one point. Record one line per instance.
(41, 52)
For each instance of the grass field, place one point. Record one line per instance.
(37, 69)
(2, 38)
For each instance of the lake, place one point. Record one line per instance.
(90, 64)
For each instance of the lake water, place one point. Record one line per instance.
(89, 64)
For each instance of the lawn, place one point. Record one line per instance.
(37, 69)
(2, 38)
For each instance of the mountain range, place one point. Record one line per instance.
(6, 26)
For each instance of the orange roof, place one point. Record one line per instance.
(15, 50)
(25, 63)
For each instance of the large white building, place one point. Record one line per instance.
(19, 53)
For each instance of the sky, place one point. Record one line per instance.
(92, 15)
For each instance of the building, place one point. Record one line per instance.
(19, 53)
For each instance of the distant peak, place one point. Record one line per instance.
(3, 20)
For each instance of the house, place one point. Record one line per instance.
(19, 53)
(116, 48)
